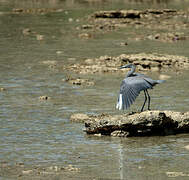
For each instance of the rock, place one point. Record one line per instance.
(147, 123)
(186, 147)
(27, 171)
(149, 62)
(71, 168)
(79, 117)
(26, 31)
(50, 62)
(168, 37)
(118, 14)
(79, 81)
(123, 44)
(176, 174)
(153, 19)
(87, 26)
(2, 89)
(164, 77)
(44, 98)
(119, 133)
(36, 10)
(39, 37)
(85, 35)
(70, 19)
(59, 52)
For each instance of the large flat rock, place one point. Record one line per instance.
(147, 123)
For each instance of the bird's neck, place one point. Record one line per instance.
(131, 72)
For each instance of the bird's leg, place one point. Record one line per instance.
(144, 100)
(148, 100)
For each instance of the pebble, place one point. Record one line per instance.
(70, 19)
(2, 89)
(44, 97)
(26, 31)
(27, 171)
(164, 77)
(39, 37)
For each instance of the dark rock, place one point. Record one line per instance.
(148, 123)
(118, 14)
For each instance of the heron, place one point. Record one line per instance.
(131, 87)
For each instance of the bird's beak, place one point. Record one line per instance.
(122, 67)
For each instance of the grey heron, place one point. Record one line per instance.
(131, 87)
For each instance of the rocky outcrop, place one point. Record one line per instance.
(150, 18)
(108, 64)
(133, 13)
(147, 123)
(171, 21)
(118, 14)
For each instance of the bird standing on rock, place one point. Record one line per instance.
(131, 87)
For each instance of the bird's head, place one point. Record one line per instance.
(127, 66)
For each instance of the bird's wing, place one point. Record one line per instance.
(130, 89)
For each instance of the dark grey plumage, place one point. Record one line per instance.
(131, 87)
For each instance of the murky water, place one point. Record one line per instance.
(38, 132)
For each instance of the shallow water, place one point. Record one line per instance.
(38, 132)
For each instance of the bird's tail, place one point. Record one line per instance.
(119, 105)
(160, 81)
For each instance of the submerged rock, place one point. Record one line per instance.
(36, 10)
(108, 64)
(79, 81)
(147, 123)
(168, 37)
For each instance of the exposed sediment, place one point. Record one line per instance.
(108, 64)
(146, 123)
